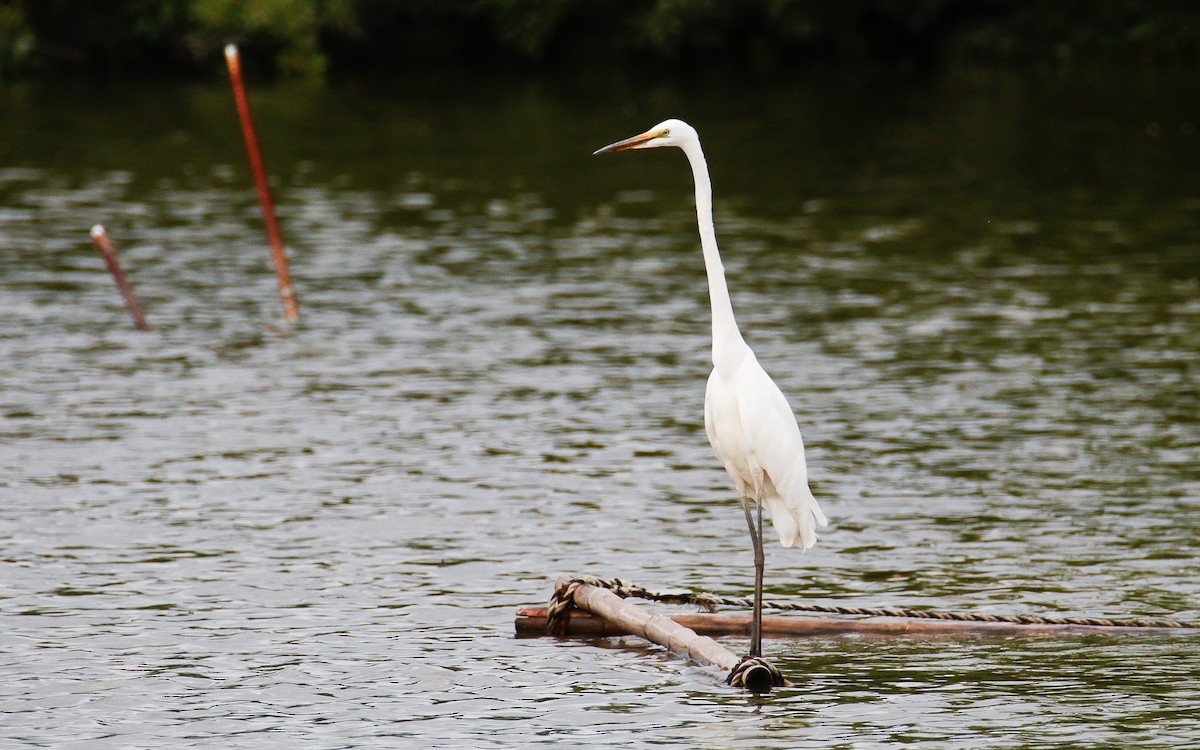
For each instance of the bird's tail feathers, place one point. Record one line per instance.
(796, 521)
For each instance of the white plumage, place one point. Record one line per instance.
(748, 420)
(752, 430)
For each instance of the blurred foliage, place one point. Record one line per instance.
(303, 37)
(16, 40)
(288, 30)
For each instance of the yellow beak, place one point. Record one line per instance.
(628, 143)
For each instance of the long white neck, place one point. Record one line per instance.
(726, 337)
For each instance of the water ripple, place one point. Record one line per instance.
(227, 531)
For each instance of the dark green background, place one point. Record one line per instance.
(312, 37)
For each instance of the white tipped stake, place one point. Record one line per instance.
(286, 293)
(100, 237)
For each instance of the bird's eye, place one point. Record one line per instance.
(664, 134)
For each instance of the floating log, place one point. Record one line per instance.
(532, 621)
(587, 605)
(634, 620)
(757, 675)
(100, 237)
(286, 293)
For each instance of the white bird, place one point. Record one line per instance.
(748, 420)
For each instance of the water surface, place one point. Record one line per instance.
(981, 293)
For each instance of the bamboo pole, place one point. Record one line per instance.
(532, 621)
(662, 630)
(286, 293)
(653, 627)
(100, 237)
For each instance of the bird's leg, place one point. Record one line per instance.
(759, 564)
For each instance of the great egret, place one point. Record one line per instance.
(748, 420)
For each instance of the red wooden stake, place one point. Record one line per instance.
(286, 293)
(110, 259)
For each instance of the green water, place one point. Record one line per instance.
(980, 291)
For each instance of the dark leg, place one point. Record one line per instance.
(759, 564)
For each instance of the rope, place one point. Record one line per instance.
(757, 674)
(556, 622)
(563, 600)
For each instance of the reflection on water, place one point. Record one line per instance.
(981, 295)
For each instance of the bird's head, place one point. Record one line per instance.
(667, 133)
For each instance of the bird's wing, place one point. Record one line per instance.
(724, 427)
(771, 432)
(770, 428)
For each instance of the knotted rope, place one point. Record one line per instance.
(710, 602)
(563, 600)
(757, 674)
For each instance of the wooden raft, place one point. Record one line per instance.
(598, 611)
(605, 606)
(531, 621)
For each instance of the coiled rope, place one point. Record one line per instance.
(757, 674)
(562, 600)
